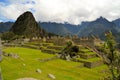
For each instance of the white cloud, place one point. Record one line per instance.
(72, 11)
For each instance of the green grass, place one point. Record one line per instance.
(87, 53)
(89, 60)
(62, 70)
(30, 45)
(84, 50)
(39, 43)
(53, 50)
(56, 47)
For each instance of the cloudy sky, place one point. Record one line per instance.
(72, 11)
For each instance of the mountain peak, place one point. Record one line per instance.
(101, 19)
(26, 25)
(28, 12)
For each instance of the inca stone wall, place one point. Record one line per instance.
(84, 42)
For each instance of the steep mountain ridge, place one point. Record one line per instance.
(26, 25)
(97, 27)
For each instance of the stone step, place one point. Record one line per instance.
(40, 44)
(90, 63)
(30, 46)
(50, 51)
(87, 55)
(46, 44)
(84, 50)
(56, 47)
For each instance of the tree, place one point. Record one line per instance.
(9, 36)
(113, 55)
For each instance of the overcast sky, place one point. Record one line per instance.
(72, 11)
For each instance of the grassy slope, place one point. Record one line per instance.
(63, 70)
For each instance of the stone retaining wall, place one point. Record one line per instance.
(93, 64)
(84, 42)
(27, 46)
(50, 51)
(55, 47)
(85, 56)
(90, 64)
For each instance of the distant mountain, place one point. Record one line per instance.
(98, 27)
(26, 25)
(117, 23)
(59, 28)
(56, 28)
(72, 28)
(5, 26)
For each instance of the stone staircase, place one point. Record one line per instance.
(89, 58)
(52, 49)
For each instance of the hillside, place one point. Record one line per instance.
(56, 28)
(26, 25)
(98, 27)
(60, 28)
(30, 60)
(5, 26)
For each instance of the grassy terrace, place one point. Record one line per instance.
(63, 70)
(88, 53)
(85, 50)
(90, 60)
(37, 44)
(51, 50)
(31, 46)
(56, 47)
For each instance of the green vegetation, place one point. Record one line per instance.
(112, 55)
(89, 60)
(9, 36)
(84, 50)
(13, 68)
(69, 51)
(87, 53)
(31, 46)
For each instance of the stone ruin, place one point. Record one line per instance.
(85, 41)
